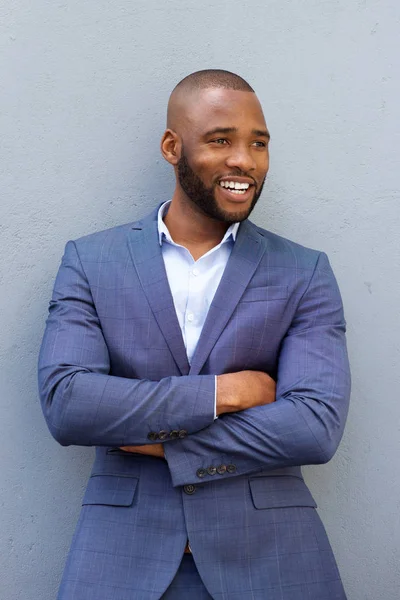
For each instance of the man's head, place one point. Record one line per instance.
(217, 141)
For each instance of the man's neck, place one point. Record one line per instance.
(192, 229)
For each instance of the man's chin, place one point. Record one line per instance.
(234, 212)
(235, 215)
(227, 213)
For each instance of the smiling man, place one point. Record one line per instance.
(205, 358)
(224, 133)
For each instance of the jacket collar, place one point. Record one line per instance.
(148, 261)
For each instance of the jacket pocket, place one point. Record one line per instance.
(280, 492)
(270, 292)
(111, 490)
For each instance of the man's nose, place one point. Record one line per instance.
(241, 158)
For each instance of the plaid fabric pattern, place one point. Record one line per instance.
(113, 369)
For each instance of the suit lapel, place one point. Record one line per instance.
(243, 261)
(147, 257)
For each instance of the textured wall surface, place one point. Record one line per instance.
(82, 103)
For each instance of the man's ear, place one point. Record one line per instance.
(171, 146)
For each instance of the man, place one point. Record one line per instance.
(162, 348)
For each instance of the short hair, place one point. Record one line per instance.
(213, 78)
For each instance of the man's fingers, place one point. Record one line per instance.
(149, 449)
(130, 448)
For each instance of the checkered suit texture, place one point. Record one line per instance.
(113, 368)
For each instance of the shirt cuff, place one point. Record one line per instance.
(215, 400)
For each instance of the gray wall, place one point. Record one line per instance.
(83, 94)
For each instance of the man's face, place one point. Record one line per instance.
(224, 157)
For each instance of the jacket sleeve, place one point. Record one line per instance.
(305, 423)
(82, 403)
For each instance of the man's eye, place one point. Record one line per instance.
(220, 141)
(260, 144)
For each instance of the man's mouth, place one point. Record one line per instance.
(235, 187)
(238, 189)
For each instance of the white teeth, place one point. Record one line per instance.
(234, 185)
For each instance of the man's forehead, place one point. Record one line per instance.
(225, 105)
(206, 108)
(221, 98)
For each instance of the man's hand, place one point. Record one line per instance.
(149, 449)
(244, 389)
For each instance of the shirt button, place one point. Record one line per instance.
(195, 272)
(189, 489)
(201, 473)
(231, 468)
(182, 433)
(190, 317)
(221, 469)
(152, 436)
(162, 435)
(212, 470)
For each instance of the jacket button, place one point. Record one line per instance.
(189, 489)
(182, 433)
(174, 434)
(212, 470)
(221, 469)
(162, 435)
(152, 436)
(231, 468)
(201, 473)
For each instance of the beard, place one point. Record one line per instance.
(205, 199)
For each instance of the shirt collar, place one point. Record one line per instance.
(163, 232)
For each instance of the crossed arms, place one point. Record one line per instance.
(85, 405)
(235, 392)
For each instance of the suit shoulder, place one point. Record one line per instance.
(113, 237)
(103, 245)
(101, 242)
(288, 253)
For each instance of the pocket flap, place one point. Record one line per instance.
(280, 492)
(270, 292)
(112, 490)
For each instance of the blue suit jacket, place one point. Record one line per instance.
(113, 371)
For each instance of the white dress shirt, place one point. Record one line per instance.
(193, 283)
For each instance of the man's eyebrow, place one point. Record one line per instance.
(222, 130)
(261, 133)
